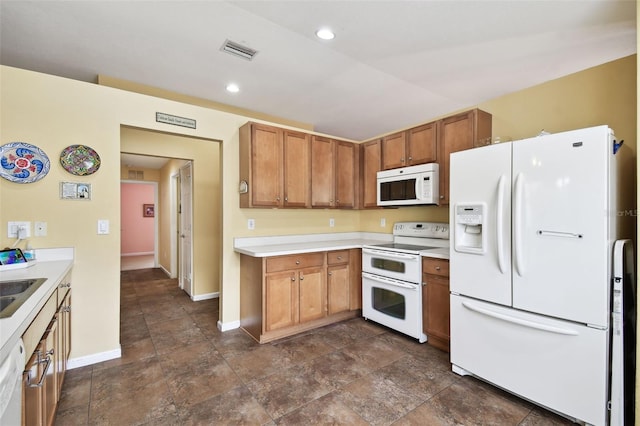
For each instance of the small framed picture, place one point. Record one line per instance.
(148, 210)
(75, 191)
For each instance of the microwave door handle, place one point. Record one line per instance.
(418, 188)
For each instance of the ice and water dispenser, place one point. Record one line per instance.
(470, 228)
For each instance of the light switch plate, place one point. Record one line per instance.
(103, 226)
(251, 224)
(332, 222)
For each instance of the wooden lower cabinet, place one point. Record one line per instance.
(47, 359)
(435, 302)
(284, 295)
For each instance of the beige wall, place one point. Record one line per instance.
(31, 111)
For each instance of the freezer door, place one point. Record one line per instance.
(480, 218)
(561, 252)
(554, 363)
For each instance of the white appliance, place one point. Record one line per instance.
(392, 276)
(531, 269)
(406, 186)
(11, 385)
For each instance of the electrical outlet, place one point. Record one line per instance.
(332, 222)
(383, 222)
(40, 229)
(251, 224)
(19, 230)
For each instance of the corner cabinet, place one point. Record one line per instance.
(47, 343)
(435, 302)
(457, 133)
(274, 167)
(283, 295)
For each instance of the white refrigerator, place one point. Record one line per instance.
(531, 269)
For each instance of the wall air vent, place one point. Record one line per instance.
(236, 49)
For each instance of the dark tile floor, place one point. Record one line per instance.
(178, 369)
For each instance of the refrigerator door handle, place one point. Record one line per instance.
(520, 321)
(499, 224)
(517, 228)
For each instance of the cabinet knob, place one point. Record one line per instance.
(293, 277)
(301, 277)
(441, 197)
(437, 268)
(339, 257)
(330, 273)
(286, 198)
(277, 198)
(410, 158)
(297, 262)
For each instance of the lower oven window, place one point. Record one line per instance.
(389, 302)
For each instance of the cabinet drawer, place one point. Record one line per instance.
(337, 257)
(294, 261)
(435, 266)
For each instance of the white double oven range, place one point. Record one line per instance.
(392, 276)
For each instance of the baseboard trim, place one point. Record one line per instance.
(228, 325)
(83, 361)
(205, 296)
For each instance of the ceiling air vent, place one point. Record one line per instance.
(238, 50)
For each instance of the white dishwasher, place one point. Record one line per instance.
(11, 386)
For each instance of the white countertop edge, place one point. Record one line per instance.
(13, 327)
(440, 253)
(243, 242)
(308, 243)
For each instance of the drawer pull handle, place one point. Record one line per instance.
(47, 363)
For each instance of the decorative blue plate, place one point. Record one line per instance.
(21, 162)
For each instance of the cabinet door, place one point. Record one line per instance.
(266, 166)
(338, 288)
(456, 135)
(422, 144)
(51, 376)
(372, 164)
(33, 411)
(393, 151)
(281, 300)
(297, 169)
(313, 293)
(322, 172)
(345, 176)
(436, 306)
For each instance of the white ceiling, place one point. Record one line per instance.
(392, 64)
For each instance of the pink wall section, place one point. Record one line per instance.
(138, 232)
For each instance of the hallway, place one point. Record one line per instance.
(178, 369)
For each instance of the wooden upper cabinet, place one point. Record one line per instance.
(412, 147)
(322, 172)
(422, 144)
(371, 164)
(334, 171)
(458, 133)
(346, 174)
(394, 151)
(297, 169)
(275, 164)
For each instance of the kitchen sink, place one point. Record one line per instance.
(13, 293)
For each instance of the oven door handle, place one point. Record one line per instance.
(388, 281)
(392, 255)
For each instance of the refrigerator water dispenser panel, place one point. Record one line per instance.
(470, 236)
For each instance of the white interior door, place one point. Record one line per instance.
(480, 254)
(561, 212)
(186, 282)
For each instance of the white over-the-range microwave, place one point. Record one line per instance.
(408, 186)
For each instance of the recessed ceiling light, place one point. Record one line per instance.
(325, 34)
(233, 88)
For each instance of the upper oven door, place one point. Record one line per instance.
(401, 266)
